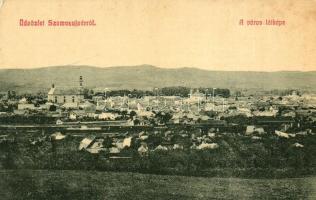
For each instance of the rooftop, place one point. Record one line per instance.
(62, 91)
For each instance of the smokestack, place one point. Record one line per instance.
(53, 85)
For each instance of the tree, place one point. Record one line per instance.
(124, 114)
(107, 142)
(132, 114)
(52, 108)
(163, 117)
(136, 122)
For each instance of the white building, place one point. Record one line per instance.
(62, 96)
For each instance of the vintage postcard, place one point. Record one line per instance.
(157, 99)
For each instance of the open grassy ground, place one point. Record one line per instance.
(48, 184)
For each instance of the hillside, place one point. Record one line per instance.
(148, 77)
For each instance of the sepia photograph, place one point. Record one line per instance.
(159, 99)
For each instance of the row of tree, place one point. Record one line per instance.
(165, 91)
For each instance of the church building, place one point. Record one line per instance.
(62, 96)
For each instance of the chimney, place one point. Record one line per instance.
(53, 85)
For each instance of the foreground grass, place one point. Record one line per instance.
(69, 184)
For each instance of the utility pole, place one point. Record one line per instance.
(156, 97)
(128, 101)
(223, 104)
(214, 98)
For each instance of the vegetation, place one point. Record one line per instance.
(129, 93)
(27, 119)
(237, 156)
(81, 185)
(167, 91)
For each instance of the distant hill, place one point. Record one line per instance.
(148, 77)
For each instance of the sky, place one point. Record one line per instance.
(169, 34)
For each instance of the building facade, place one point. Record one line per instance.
(62, 96)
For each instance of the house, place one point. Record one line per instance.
(281, 134)
(270, 113)
(59, 122)
(114, 151)
(195, 96)
(253, 129)
(298, 145)
(57, 136)
(85, 143)
(108, 116)
(26, 106)
(20, 112)
(177, 146)
(72, 116)
(88, 107)
(208, 146)
(143, 149)
(96, 146)
(76, 114)
(256, 138)
(127, 142)
(161, 148)
(70, 105)
(143, 113)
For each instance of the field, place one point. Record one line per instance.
(69, 184)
